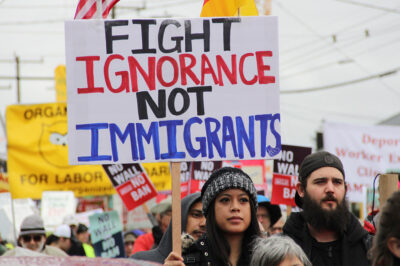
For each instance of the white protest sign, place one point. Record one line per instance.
(172, 89)
(55, 206)
(22, 209)
(83, 217)
(364, 151)
(6, 217)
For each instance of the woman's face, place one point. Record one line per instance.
(232, 211)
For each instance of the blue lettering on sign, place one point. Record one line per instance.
(171, 135)
(115, 131)
(153, 133)
(94, 154)
(229, 134)
(188, 142)
(242, 136)
(274, 151)
(212, 136)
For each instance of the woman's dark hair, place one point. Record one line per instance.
(218, 244)
(388, 226)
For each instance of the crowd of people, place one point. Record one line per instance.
(228, 223)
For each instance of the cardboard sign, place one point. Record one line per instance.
(6, 217)
(186, 174)
(201, 172)
(364, 151)
(172, 89)
(256, 169)
(106, 235)
(38, 155)
(55, 206)
(160, 176)
(283, 189)
(286, 172)
(22, 209)
(132, 183)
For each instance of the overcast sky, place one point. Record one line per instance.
(338, 48)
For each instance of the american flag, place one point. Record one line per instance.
(87, 8)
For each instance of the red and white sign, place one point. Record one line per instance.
(286, 171)
(132, 184)
(195, 174)
(283, 189)
(201, 171)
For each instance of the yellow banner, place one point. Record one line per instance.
(159, 174)
(4, 186)
(38, 155)
(60, 83)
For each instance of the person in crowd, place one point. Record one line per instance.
(229, 203)
(129, 241)
(193, 223)
(4, 245)
(326, 230)
(162, 212)
(72, 222)
(267, 213)
(32, 236)
(83, 236)
(63, 232)
(386, 244)
(82, 233)
(278, 251)
(277, 228)
(76, 245)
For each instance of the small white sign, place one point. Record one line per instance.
(55, 206)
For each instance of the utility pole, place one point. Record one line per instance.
(18, 76)
(267, 7)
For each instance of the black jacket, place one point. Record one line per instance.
(200, 254)
(355, 242)
(160, 253)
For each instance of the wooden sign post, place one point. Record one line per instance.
(388, 183)
(176, 207)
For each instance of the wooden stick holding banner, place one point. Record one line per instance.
(99, 9)
(388, 184)
(176, 207)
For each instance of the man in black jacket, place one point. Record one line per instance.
(326, 230)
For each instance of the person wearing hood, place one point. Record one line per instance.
(162, 213)
(193, 224)
(326, 230)
(267, 214)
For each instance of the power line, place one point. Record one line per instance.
(316, 111)
(341, 84)
(389, 10)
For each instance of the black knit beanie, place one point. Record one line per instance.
(223, 179)
(313, 162)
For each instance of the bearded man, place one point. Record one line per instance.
(326, 230)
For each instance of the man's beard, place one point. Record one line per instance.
(320, 218)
